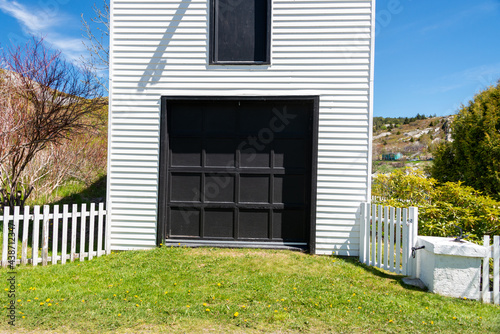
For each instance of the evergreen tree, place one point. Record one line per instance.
(474, 155)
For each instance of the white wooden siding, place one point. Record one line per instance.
(319, 47)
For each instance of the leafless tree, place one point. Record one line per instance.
(96, 31)
(44, 101)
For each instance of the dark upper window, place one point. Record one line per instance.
(240, 31)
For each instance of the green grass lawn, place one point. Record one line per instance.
(204, 290)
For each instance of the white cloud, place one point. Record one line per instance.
(47, 24)
(472, 13)
(29, 21)
(479, 77)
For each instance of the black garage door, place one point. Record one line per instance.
(238, 171)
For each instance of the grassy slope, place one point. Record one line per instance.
(179, 290)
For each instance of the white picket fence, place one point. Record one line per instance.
(387, 237)
(62, 228)
(489, 295)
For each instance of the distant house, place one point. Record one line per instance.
(240, 123)
(392, 156)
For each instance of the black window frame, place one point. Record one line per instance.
(213, 40)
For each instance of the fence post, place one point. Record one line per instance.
(363, 224)
(412, 241)
(485, 288)
(496, 269)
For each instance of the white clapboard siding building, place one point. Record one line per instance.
(240, 123)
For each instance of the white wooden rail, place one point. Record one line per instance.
(491, 295)
(55, 226)
(387, 237)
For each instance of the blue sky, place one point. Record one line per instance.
(431, 56)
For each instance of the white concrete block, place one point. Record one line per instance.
(450, 268)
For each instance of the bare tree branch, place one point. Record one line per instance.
(44, 101)
(97, 34)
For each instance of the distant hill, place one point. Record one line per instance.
(413, 137)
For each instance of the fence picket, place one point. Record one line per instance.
(404, 245)
(74, 226)
(398, 241)
(5, 236)
(379, 236)
(91, 231)
(391, 241)
(386, 238)
(55, 233)
(36, 234)
(45, 235)
(64, 243)
(101, 244)
(485, 293)
(496, 269)
(17, 218)
(24, 242)
(374, 235)
(83, 223)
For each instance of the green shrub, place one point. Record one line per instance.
(442, 207)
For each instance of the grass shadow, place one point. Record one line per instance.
(383, 273)
(95, 193)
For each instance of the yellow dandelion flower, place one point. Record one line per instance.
(432, 322)
(49, 304)
(136, 296)
(204, 304)
(391, 320)
(36, 298)
(42, 303)
(208, 310)
(166, 292)
(360, 307)
(136, 305)
(62, 299)
(6, 289)
(24, 317)
(454, 318)
(19, 300)
(119, 314)
(29, 300)
(47, 300)
(114, 294)
(236, 314)
(188, 306)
